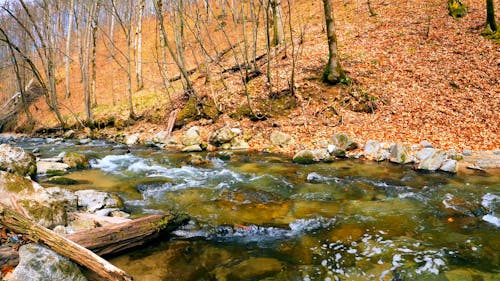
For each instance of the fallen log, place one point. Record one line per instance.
(116, 238)
(62, 245)
(113, 238)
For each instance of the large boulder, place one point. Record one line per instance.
(280, 139)
(40, 263)
(76, 160)
(343, 141)
(16, 160)
(401, 154)
(430, 159)
(49, 207)
(93, 200)
(192, 137)
(224, 135)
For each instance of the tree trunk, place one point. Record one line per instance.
(36, 233)
(490, 16)
(333, 72)
(67, 57)
(278, 32)
(95, 25)
(138, 34)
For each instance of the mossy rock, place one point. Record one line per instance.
(16, 160)
(62, 181)
(196, 109)
(76, 160)
(48, 215)
(457, 9)
(15, 183)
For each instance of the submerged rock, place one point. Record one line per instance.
(40, 263)
(192, 137)
(280, 139)
(251, 269)
(16, 160)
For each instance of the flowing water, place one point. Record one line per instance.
(260, 217)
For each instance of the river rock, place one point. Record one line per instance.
(198, 160)
(131, 139)
(39, 263)
(280, 139)
(163, 137)
(238, 143)
(69, 134)
(49, 207)
(76, 160)
(192, 137)
(426, 144)
(224, 135)
(450, 166)
(46, 167)
(93, 200)
(430, 159)
(250, 269)
(16, 160)
(375, 151)
(307, 156)
(192, 148)
(400, 153)
(343, 141)
(459, 207)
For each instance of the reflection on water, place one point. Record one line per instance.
(259, 217)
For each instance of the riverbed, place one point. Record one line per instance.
(260, 217)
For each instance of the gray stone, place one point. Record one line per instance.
(238, 143)
(191, 137)
(39, 263)
(163, 137)
(16, 160)
(343, 141)
(305, 156)
(224, 135)
(400, 153)
(69, 134)
(93, 200)
(192, 148)
(44, 167)
(331, 148)
(467, 152)
(84, 141)
(433, 161)
(425, 153)
(371, 147)
(280, 139)
(131, 139)
(426, 144)
(340, 153)
(450, 166)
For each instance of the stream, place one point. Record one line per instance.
(261, 217)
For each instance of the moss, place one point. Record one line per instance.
(53, 173)
(196, 109)
(16, 184)
(62, 181)
(76, 160)
(457, 9)
(47, 215)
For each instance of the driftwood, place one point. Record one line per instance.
(8, 257)
(37, 233)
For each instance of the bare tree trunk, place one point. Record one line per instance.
(278, 33)
(490, 16)
(333, 72)
(112, 55)
(138, 34)
(95, 25)
(182, 69)
(67, 57)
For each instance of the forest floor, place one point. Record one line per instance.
(415, 74)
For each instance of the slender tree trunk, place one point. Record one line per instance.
(333, 72)
(138, 68)
(95, 25)
(490, 16)
(67, 57)
(278, 31)
(112, 55)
